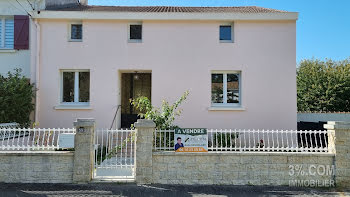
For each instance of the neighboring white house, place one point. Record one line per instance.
(18, 34)
(14, 36)
(239, 64)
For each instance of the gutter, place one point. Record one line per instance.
(106, 15)
(37, 70)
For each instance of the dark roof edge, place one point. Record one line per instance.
(58, 7)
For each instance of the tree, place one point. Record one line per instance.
(163, 117)
(16, 98)
(323, 85)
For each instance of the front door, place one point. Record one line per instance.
(133, 85)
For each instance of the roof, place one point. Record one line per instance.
(167, 9)
(86, 12)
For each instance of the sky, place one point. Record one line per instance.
(323, 27)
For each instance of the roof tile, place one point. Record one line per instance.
(242, 9)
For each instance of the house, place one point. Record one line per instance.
(238, 63)
(14, 37)
(18, 32)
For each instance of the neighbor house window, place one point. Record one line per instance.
(76, 32)
(75, 86)
(135, 32)
(226, 33)
(6, 32)
(225, 88)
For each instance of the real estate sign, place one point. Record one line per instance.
(191, 140)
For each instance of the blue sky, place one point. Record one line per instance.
(323, 28)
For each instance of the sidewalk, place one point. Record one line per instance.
(115, 189)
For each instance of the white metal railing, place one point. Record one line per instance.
(164, 140)
(9, 125)
(114, 149)
(26, 139)
(253, 140)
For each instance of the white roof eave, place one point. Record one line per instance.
(104, 15)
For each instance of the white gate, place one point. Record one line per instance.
(114, 155)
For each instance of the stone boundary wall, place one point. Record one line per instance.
(341, 131)
(243, 168)
(307, 169)
(323, 117)
(36, 166)
(53, 166)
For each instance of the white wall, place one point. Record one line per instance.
(11, 59)
(181, 56)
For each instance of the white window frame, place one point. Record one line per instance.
(135, 40)
(76, 88)
(70, 31)
(232, 33)
(225, 104)
(2, 43)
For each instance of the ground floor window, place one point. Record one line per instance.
(225, 88)
(75, 86)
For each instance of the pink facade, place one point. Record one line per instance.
(181, 55)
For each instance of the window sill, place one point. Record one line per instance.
(73, 107)
(75, 40)
(226, 41)
(7, 51)
(226, 109)
(134, 41)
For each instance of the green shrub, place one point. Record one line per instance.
(16, 98)
(323, 85)
(165, 116)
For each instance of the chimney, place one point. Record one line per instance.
(84, 2)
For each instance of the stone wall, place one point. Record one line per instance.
(36, 167)
(53, 166)
(323, 117)
(341, 130)
(306, 169)
(83, 150)
(240, 168)
(143, 151)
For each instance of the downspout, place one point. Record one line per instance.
(37, 70)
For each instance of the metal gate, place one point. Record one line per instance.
(114, 155)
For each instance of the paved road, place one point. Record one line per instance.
(114, 189)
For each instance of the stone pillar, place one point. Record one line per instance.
(342, 151)
(144, 147)
(83, 150)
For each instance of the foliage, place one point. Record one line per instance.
(101, 154)
(163, 117)
(323, 85)
(16, 98)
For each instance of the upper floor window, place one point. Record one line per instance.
(6, 32)
(135, 32)
(76, 32)
(225, 88)
(226, 33)
(75, 86)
